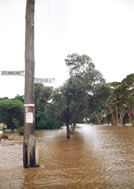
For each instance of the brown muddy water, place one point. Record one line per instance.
(95, 157)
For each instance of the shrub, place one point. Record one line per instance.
(21, 130)
(11, 113)
(48, 124)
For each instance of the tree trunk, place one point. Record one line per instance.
(99, 117)
(113, 117)
(130, 115)
(122, 114)
(72, 128)
(74, 125)
(117, 119)
(29, 118)
(67, 121)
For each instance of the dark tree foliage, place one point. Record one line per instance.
(12, 113)
(46, 112)
(20, 98)
(82, 88)
(79, 64)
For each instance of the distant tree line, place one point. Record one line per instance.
(84, 96)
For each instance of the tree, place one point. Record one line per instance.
(57, 105)
(75, 101)
(84, 78)
(97, 103)
(112, 102)
(120, 105)
(79, 64)
(12, 113)
(19, 97)
(127, 95)
(42, 97)
(121, 100)
(48, 107)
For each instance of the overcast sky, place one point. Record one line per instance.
(104, 30)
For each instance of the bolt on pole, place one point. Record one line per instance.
(29, 159)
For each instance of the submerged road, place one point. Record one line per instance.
(95, 157)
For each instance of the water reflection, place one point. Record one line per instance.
(95, 157)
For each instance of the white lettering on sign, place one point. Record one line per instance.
(29, 117)
(13, 73)
(44, 80)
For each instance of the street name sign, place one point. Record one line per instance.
(22, 73)
(13, 73)
(44, 80)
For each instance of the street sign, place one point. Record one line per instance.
(22, 73)
(44, 80)
(13, 73)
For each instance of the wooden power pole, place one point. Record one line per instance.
(29, 159)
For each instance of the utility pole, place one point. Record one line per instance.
(29, 159)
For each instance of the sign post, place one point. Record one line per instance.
(29, 159)
(30, 156)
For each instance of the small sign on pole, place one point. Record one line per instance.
(29, 117)
(29, 112)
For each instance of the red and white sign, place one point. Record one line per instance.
(32, 106)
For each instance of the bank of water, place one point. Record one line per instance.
(95, 157)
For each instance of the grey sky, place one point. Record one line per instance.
(104, 30)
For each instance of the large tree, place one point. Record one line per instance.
(76, 100)
(84, 79)
(121, 100)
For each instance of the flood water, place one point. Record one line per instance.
(95, 157)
